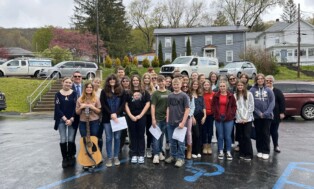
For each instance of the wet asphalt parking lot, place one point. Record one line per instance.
(30, 158)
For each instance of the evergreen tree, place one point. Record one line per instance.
(289, 12)
(174, 50)
(160, 55)
(188, 47)
(114, 29)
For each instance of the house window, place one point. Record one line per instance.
(229, 39)
(277, 41)
(186, 40)
(168, 57)
(303, 52)
(167, 41)
(311, 51)
(277, 53)
(208, 40)
(290, 52)
(229, 56)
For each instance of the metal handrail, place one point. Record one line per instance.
(30, 98)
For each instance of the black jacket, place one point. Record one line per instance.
(105, 109)
(280, 105)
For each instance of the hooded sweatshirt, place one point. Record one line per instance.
(264, 102)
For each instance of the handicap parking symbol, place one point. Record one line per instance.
(198, 172)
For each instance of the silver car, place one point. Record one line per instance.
(67, 68)
(237, 68)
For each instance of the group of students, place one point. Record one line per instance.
(153, 100)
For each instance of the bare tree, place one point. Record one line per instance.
(158, 15)
(139, 11)
(290, 11)
(174, 12)
(246, 12)
(193, 13)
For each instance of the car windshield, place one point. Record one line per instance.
(233, 65)
(182, 60)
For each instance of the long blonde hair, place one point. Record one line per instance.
(150, 87)
(83, 98)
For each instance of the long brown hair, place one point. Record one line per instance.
(139, 86)
(83, 98)
(199, 90)
(117, 87)
(244, 91)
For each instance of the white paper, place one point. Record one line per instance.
(156, 132)
(120, 125)
(179, 134)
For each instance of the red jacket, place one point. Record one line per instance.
(208, 98)
(230, 109)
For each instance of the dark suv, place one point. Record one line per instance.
(299, 98)
(3, 104)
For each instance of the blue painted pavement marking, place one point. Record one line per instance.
(284, 178)
(198, 172)
(76, 176)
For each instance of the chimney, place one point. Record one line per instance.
(277, 20)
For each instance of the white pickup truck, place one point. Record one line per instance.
(24, 67)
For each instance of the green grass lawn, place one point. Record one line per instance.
(17, 89)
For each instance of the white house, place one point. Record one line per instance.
(281, 40)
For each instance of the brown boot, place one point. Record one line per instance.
(209, 149)
(189, 152)
(205, 149)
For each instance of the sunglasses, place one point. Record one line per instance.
(184, 86)
(269, 81)
(231, 79)
(77, 76)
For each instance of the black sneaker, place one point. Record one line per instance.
(277, 149)
(247, 158)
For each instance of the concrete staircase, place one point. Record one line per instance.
(47, 101)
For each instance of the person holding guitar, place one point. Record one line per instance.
(88, 108)
(64, 114)
(112, 99)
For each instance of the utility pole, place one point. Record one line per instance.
(299, 40)
(97, 32)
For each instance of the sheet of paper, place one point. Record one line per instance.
(156, 132)
(120, 125)
(179, 134)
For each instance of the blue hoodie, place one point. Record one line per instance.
(264, 102)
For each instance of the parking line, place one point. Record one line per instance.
(284, 178)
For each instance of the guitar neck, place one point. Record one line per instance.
(87, 129)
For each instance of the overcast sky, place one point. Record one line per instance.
(40, 13)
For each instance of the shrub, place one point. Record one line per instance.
(155, 62)
(135, 61)
(117, 62)
(146, 63)
(108, 62)
(125, 61)
(167, 61)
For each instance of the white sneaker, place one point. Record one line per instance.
(229, 156)
(141, 159)
(149, 153)
(156, 159)
(134, 159)
(265, 156)
(259, 155)
(199, 155)
(161, 157)
(194, 156)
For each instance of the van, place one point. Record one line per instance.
(24, 67)
(188, 64)
(67, 68)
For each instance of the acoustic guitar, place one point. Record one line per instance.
(89, 154)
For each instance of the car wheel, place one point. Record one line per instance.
(253, 76)
(307, 112)
(36, 74)
(1, 74)
(90, 76)
(185, 73)
(239, 74)
(55, 75)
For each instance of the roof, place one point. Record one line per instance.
(277, 27)
(17, 51)
(253, 35)
(209, 29)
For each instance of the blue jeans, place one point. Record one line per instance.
(93, 125)
(64, 135)
(157, 144)
(224, 130)
(177, 148)
(116, 135)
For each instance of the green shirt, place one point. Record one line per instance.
(160, 100)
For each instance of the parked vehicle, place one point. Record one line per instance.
(24, 67)
(3, 104)
(237, 68)
(299, 98)
(66, 69)
(188, 64)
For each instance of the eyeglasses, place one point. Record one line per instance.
(77, 76)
